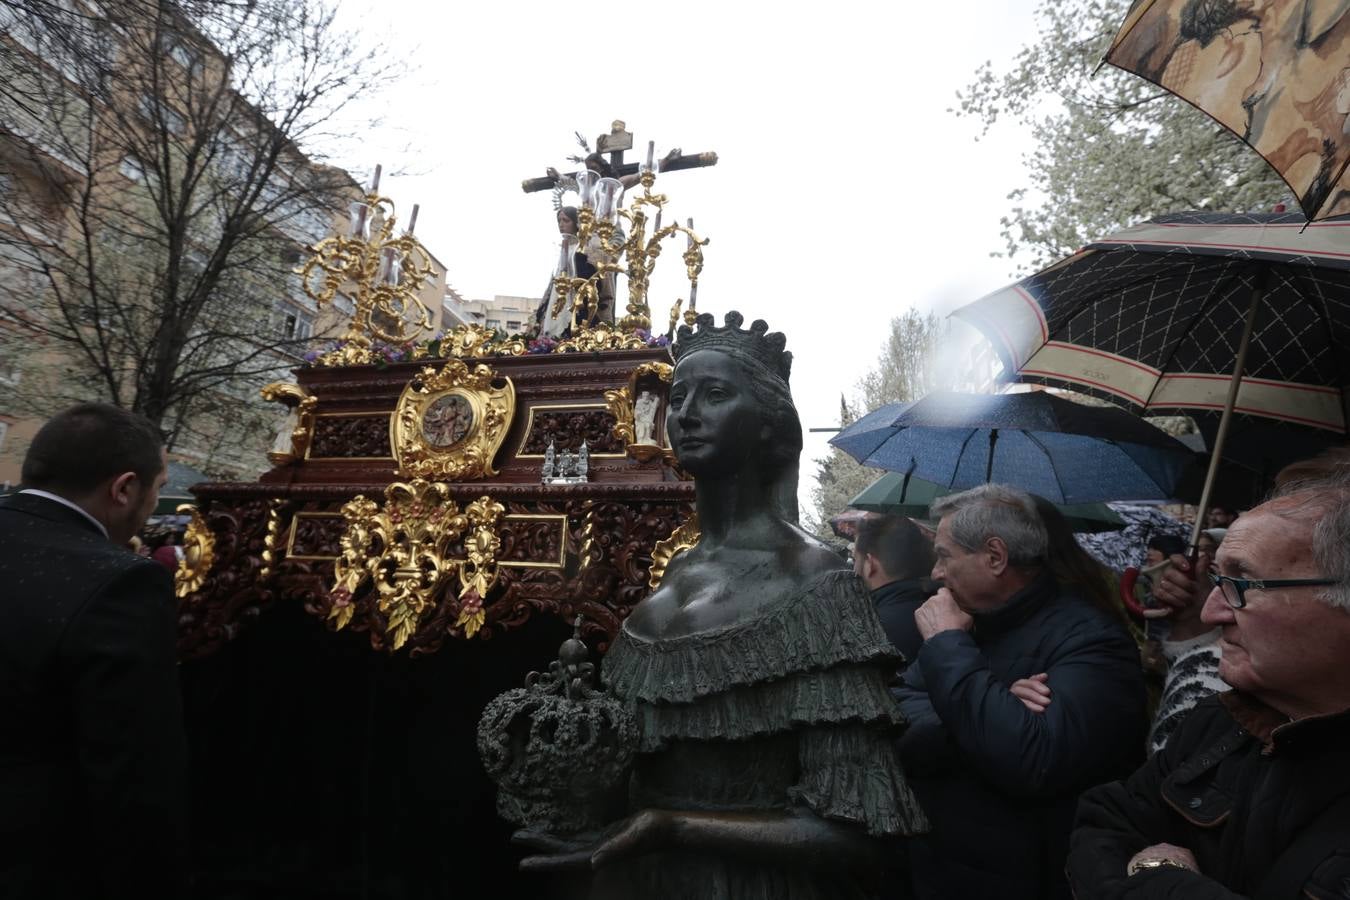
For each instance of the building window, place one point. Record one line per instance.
(494, 323)
(296, 326)
(131, 168)
(4, 429)
(512, 325)
(172, 120)
(184, 56)
(10, 372)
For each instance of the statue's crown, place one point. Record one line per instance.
(756, 344)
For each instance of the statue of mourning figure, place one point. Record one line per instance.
(763, 761)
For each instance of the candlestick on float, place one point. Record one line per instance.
(359, 210)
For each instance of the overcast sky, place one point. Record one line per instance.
(845, 193)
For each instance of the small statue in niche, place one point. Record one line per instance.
(583, 463)
(549, 469)
(773, 773)
(644, 418)
(284, 443)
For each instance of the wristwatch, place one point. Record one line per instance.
(1154, 862)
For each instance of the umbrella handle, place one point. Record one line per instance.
(1127, 582)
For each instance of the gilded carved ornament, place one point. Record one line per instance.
(199, 552)
(622, 402)
(403, 550)
(681, 539)
(272, 541)
(475, 342)
(384, 274)
(601, 337)
(450, 423)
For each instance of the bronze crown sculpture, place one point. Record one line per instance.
(558, 749)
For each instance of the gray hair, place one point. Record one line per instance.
(996, 510)
(1327, 506)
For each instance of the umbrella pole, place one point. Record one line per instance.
(1216, 452)
(989, 466)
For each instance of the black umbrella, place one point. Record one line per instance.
(1231, 314)
(1064, 451)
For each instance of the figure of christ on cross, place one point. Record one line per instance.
(615, 144)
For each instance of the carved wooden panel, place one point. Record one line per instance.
(351, 437)
(533, 539)
(316, 534)
(566, 428)
(234, 593)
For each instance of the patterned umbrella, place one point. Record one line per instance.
(1273, 73)
(1195, 311)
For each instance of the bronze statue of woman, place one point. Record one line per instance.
(757, 670)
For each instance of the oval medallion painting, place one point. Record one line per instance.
(447, 421)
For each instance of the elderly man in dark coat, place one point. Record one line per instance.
(1023, 694)
(1251, 795)
(92, 750)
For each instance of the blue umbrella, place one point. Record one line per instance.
(1064, 451)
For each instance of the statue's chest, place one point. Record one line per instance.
(703, 598)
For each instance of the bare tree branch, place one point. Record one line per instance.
(165, 165)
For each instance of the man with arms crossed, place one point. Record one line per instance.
(999, 769)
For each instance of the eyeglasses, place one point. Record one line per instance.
(1235, 589)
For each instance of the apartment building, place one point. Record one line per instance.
(84, 112)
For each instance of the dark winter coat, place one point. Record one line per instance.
(895, 604)
(998, 781)
(92, 750)
(1236, 785)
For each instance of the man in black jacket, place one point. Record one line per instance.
(893, 558)
(92, 751)
(999, 775)
(1251, 795)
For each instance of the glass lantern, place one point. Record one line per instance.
(358, 225)
(607, 194)
(586, 181)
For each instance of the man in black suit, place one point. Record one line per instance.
(92, 749)
(893, 558)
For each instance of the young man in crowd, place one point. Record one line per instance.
(893, 558)
(92, 750)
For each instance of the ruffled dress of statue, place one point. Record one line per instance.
(786, 710)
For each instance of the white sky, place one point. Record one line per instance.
(845, 192)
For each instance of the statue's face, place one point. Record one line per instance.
(713, 421)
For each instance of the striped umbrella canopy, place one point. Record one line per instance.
(1246, 314)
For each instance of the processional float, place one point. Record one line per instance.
(473, 482)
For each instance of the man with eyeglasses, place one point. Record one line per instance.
(1251, 796)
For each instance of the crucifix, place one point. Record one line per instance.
(615, 144)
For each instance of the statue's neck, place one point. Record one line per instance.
(734, 508)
